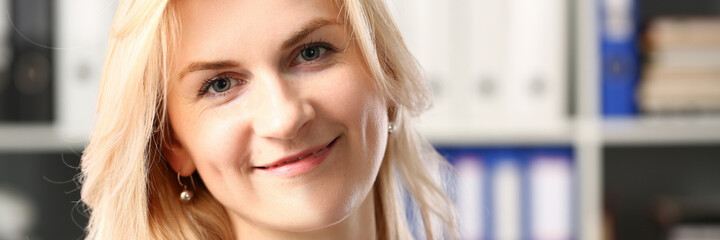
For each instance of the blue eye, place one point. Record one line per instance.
(220, 84)
(310, 53)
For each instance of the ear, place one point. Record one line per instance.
(179, 158)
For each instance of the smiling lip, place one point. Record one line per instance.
(298, 163)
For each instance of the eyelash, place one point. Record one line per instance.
(329, 49)
(208, 83)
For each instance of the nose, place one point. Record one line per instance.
(282, 112)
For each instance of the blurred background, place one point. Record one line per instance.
(596, 119)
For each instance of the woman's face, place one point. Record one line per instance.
(272, 104)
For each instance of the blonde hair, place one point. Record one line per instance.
(133, 194)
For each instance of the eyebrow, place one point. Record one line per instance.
(197, 66)
(296, 37)
(306, 30)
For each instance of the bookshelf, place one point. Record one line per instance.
(591, 134)
(584, 129)
(612, 146)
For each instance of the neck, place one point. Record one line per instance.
(359, 225)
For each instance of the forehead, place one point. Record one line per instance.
(211, 27)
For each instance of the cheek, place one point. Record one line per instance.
(213, 140)
(208, 136)
(352, 99)
(219, 139)
(217, 143)
(354, 102)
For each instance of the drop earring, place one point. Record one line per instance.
(391, 127)
(186, 195)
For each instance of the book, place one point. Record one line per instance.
(680, 90)
(82, 37)
(428, 40)
(619, 55)
(506, 198)
(550, 179)
(681, 75)
(535, 89)
(470, 194)
(479, 35)
(508, 192)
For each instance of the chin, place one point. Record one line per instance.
(316, 223)
(305, 220)
(314, 213)
(321, 214)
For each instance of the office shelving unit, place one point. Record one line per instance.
(586, 131)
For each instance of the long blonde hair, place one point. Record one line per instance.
(132, 193)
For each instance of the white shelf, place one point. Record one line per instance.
(463, 137)
(626, 131)
(662, 130)
(36, 138)
(641, 130)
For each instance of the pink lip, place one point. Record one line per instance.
(298, 163)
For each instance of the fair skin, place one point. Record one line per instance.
(286, 80)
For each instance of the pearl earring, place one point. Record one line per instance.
(186, 195)
(391, 127)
